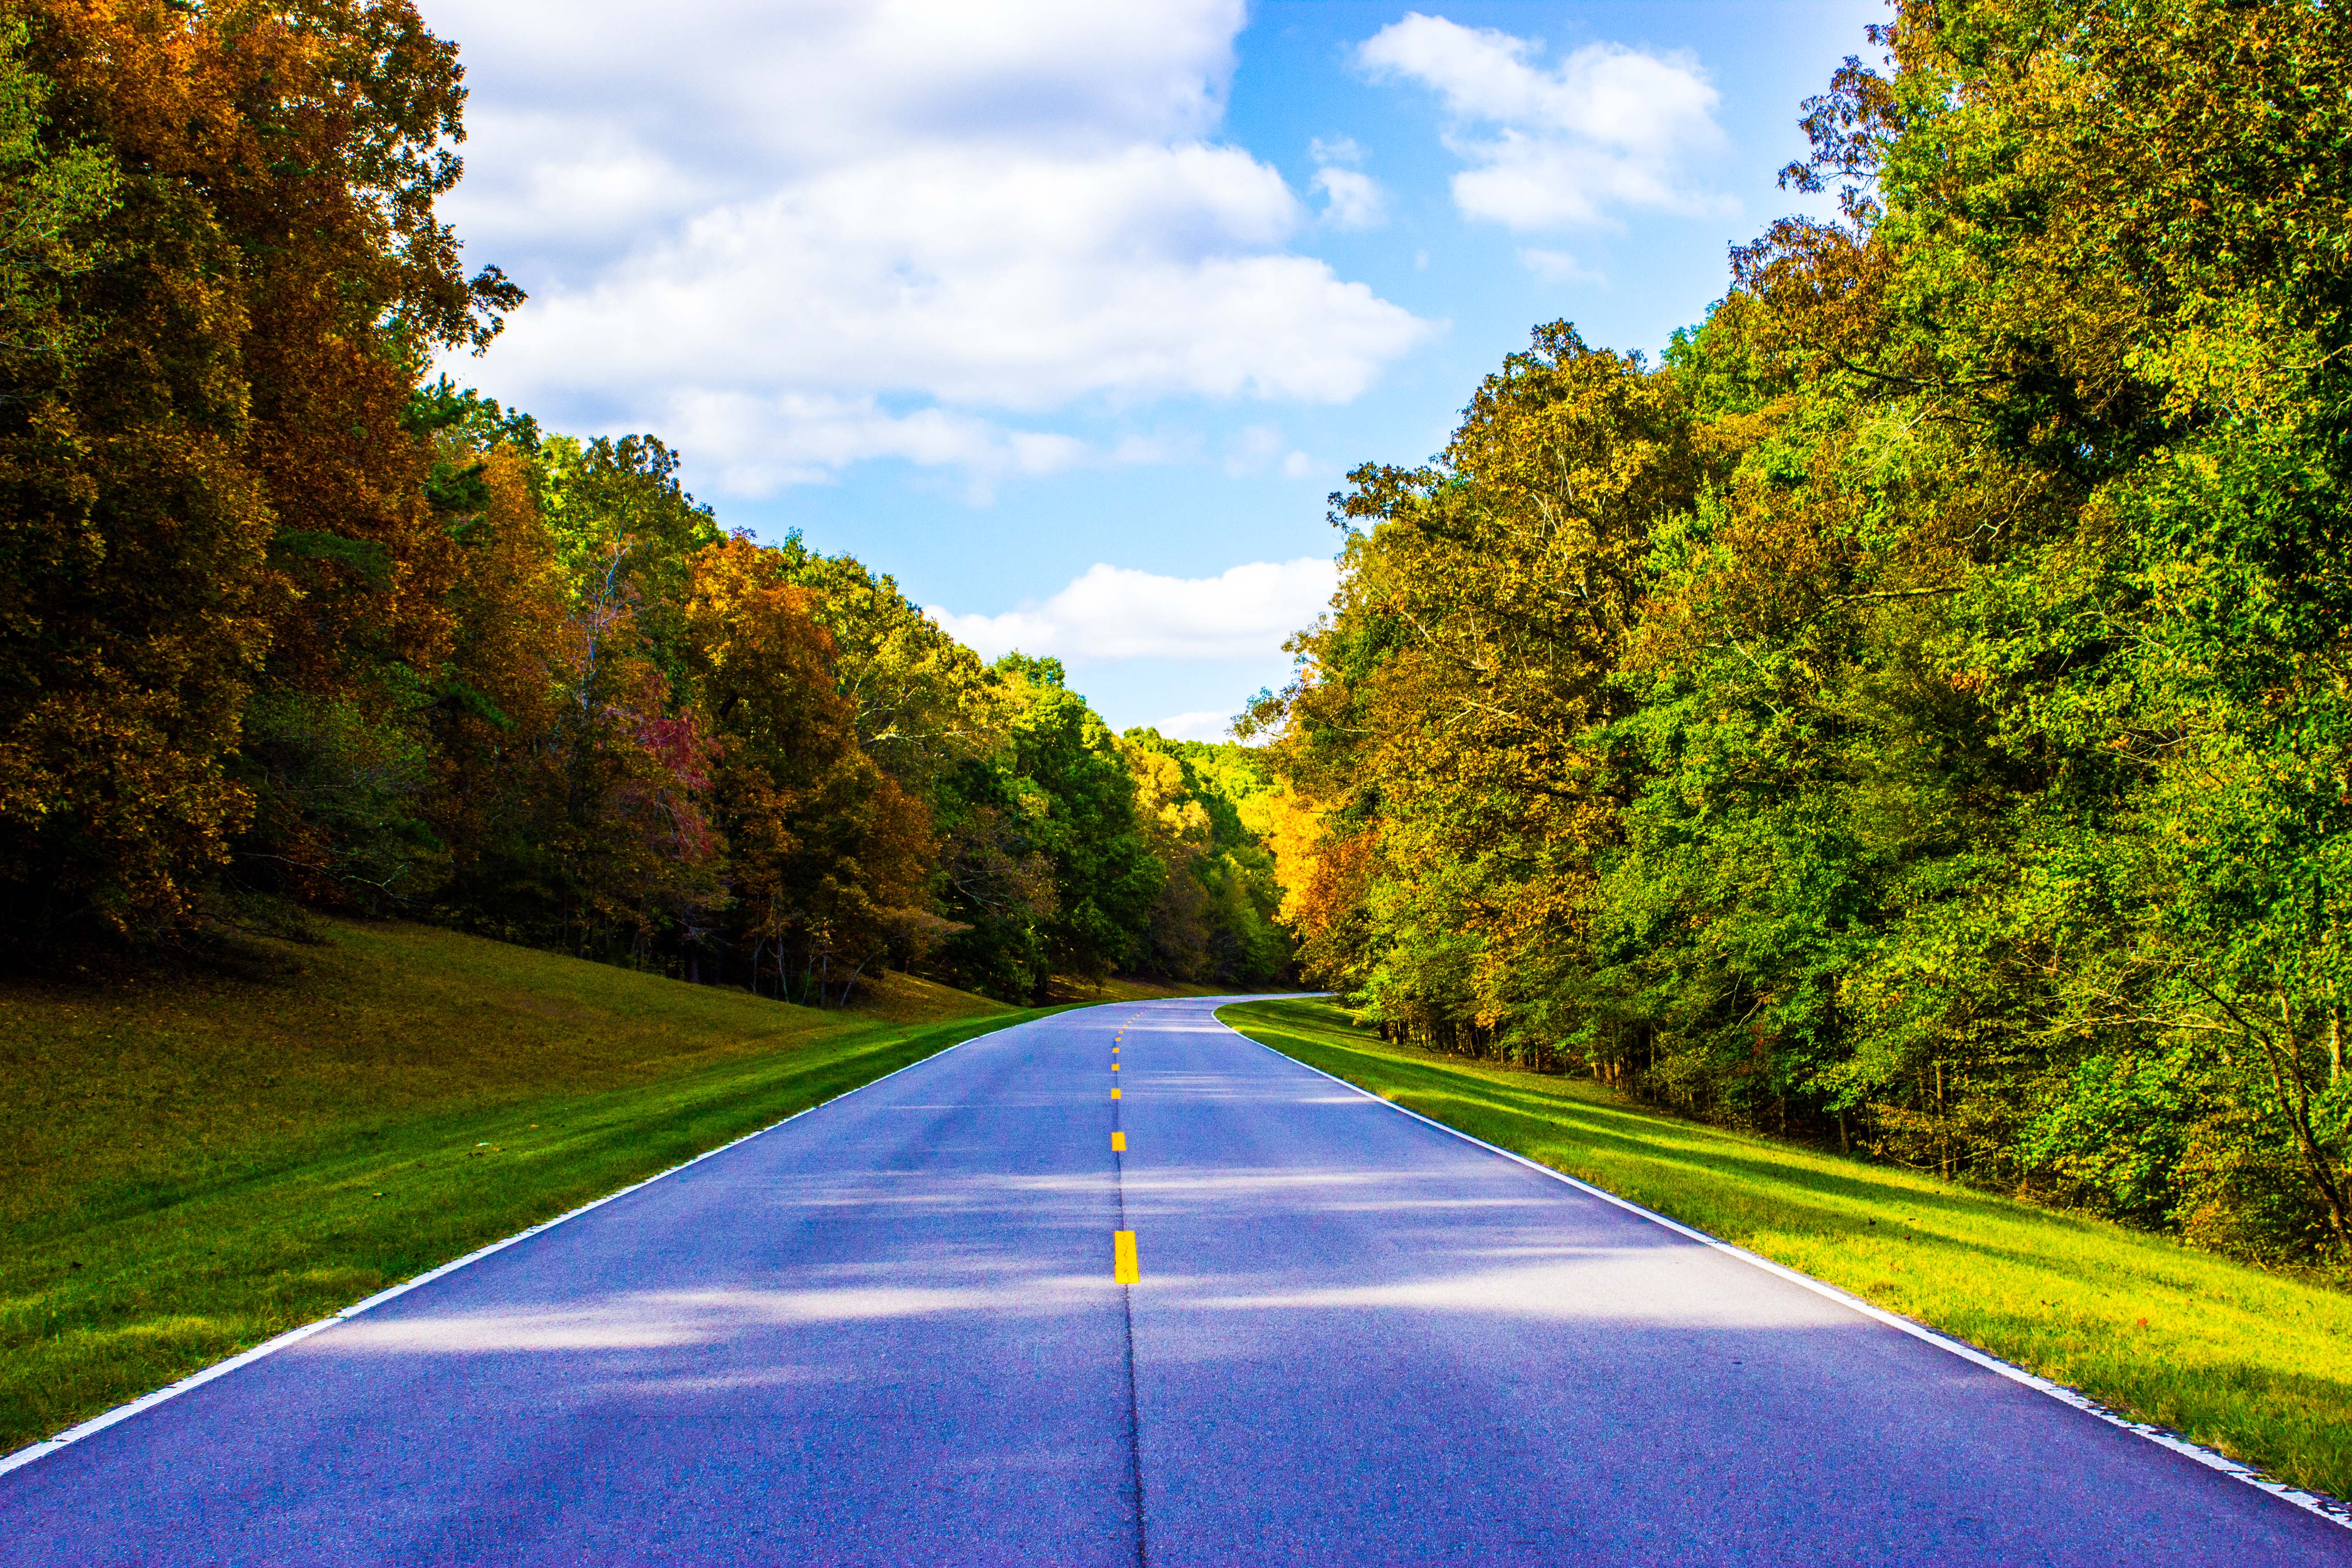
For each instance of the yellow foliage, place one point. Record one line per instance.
(1293, 831)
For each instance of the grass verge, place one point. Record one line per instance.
(1130, 988)
(190, 1164)
(2251, 1362)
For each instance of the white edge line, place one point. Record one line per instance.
(2327, 1507)
(72, 1435)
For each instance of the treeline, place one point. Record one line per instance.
(1916, 714)
(281, 621)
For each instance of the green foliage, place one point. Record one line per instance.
(922, 703)
(1214, 918)
(625, 534)
(56, 196)
(1914, 713)
(1073, 801)
(350, 791)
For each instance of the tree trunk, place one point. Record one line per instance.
(2286, 1070)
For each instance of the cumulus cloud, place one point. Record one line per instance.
(1131, 275)
(785, 220)
(1557, 147)
(1115, 612)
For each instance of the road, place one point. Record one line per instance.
(888, 1332)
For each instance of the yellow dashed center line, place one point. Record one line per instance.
(1124, 1268)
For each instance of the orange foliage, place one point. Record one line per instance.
(830, 856)
(209, 477)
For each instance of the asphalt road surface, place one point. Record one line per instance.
(891, 1332)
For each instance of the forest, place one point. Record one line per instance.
(1913, 714)
(291, 621)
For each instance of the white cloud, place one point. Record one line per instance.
(1115, 612)
(1559, 146)
(1557, 267)
(788, 218)
(1196, 726)
(1133, 275)
(797, 84)
(792, 438)
(1259, 448)
(1351, 198)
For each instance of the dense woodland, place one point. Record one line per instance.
(285, 621)
(1917, 713)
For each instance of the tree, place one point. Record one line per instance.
(227, 270)
(1446, 720)
(1074, 801)
(830, 856)
(1912, 713)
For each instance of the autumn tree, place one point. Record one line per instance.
(285, 616)
(830, 856)
(1214, 918)
(1444, 723)
(225, 273)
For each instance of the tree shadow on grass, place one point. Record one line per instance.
(1690, 1144)
(1792, 1194)
(1529, 1118)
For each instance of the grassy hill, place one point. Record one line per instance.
(192, 1162)
(2249, 1362)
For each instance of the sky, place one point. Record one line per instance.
(1070, 315)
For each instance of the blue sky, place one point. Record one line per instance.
(1070, 315)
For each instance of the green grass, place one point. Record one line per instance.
(2256, 1364)
(191, 1164)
